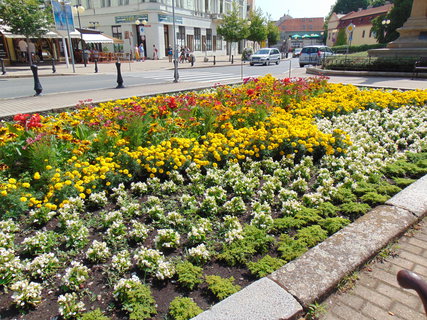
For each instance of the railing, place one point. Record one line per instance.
(358, 63)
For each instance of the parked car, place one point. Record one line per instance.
(296, 53)
(265, 56)
(314, 54)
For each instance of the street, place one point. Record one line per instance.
(23, 87)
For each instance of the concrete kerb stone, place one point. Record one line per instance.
(315, 274)
(412, 198)
(262, 300)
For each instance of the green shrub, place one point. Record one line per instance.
(189, 275)
(265, 266)
(332, 225)
(221, 287)
(364, 187)
(403, 182)
(136, 298)
(388, 189)
(327, 209)
(374, 198)
(94, 315)
(290, 248)
(354, 209)
(240, 251)
(400, 168)
(359, 48)
(312, 235)
(308, 215)
(183, 308)
(343, 195)
(286, 223)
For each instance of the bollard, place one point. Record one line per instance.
(119, 76)
(232, 59)
(53, 65)
(193, 59)
(96, 65)
(3, 70)
(214, 60)
(37, 85)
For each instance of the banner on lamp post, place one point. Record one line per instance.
(63, 16)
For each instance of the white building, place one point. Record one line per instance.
(195, 23)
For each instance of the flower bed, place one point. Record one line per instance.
(128, 205)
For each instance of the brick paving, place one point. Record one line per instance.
(376, 295)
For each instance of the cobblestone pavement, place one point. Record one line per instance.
(376, 294)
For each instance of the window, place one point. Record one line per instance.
(105, 3)
(181, 36)
(116, 31)
(120, 2)
(363, 34)
(218, 43)
(89, 4)
(197, 42)
(209, 39)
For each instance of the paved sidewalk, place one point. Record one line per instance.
(377, 295)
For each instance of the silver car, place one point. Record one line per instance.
(265, 56)
(314, 54)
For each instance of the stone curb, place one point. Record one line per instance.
(310, 278)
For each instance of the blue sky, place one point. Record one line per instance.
(296, 8)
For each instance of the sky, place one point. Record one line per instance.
(296, 8)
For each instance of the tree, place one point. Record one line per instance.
(398, 15)
(346, 6)
(341, 38)
(257, 29)
(233, 28)
(273, 33)
(30, 18)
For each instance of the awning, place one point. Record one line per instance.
(115, 40)
(96, 38)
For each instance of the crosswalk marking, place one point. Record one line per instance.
(186, 76)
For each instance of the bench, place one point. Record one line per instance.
(420, 65)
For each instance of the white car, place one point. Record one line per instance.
(314, 54)
(265, 56)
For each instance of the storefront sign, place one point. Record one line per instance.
(163, 18)
(131, 19)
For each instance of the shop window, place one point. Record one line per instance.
(180, 37)
(89, 4)
(197, 41)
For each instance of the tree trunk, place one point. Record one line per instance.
(30, 58)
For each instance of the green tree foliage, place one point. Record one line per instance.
(30, 18)
(346, 6)
(257, 30)
(397, 16)
(273, 33)
(233, 28)
(341, 38)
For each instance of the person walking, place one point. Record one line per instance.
(136, 50)
(142, 52)
(170, 53)
(155, 55)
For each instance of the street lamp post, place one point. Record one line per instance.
(77, 8)
(63, 4)
(385, 24)
(175, 55)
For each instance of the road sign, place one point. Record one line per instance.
(350, 28)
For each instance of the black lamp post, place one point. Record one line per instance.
(385, 24)
(77, 8)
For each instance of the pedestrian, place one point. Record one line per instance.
(136, 50)
(23, 47)
(155, 55)
(170, 53)
(142, 52)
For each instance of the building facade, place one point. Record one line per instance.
(299, 32)
(150, 23)
(362, 25)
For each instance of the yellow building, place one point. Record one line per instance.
(361, 22)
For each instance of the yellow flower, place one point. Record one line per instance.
(3, 193)
(37, 176)
(48, 167)
(26, 185)
(23, 199)
(82, 195)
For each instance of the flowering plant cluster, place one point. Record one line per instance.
(155, 186)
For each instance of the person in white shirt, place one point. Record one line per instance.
(22, 44)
